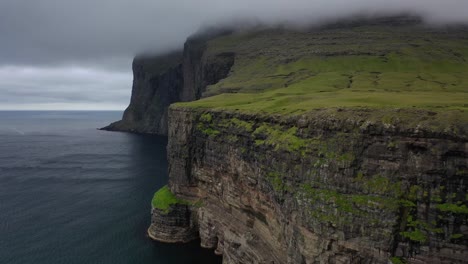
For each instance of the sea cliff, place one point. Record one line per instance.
(160, 80)
(327, 187)
(345, 143)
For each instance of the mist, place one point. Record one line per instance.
(101, 37)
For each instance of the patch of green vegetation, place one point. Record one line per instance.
(243, 150)
(415, 235)
(418, 230)
(380, 194)
(163, 199)
(232, 138)
(247, 126)
(372, 67)
(397, 260)
(452, 208)
(337, 208)
(378, 184)
(391, 145)
(259, 142)
(206, 117)
(236, 123)
(456, 236)
(342, 208)
(208, 130)
(280, 139)
(206, 126)
(286, 102)
(346, 157)
(275, 179)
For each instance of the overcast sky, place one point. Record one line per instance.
(64, 54)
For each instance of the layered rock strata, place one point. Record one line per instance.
(173, 226)
(331, 186)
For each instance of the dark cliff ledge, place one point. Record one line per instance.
(159, 81)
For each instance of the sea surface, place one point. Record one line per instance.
(72, 194)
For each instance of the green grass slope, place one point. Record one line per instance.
(163, 199)
(370, 66)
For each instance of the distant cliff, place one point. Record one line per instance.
(159, 81)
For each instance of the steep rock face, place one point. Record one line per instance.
(157, 82)
(162, 80)
(320, 189)
(175, 226)
(203, 68)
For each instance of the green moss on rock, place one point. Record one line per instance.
(163, 199)
(206, 117)
(416, 235)
(397, 260)
(280, 139)
(453, 208)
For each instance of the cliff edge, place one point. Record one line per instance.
(161, 80)
(338, 144)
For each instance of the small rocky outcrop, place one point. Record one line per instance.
(172, 220)
(174, 226)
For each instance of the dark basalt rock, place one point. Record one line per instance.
(325, 190)
(157, 83)
(162, 80)
(175, 226)
(353, 196)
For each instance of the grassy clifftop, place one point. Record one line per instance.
(163, 199)
(361, 66)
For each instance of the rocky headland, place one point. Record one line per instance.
(338, 144)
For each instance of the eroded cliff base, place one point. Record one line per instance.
(174, 226)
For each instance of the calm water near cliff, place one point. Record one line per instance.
(72, 194)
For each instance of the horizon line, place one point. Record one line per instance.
(63, 110)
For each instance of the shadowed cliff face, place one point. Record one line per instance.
(161, 80)
(319, 188)
(157, 82)
(202, 68)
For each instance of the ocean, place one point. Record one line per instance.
(70, 193)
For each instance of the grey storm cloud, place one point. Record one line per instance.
(64, 52)
(25, 87)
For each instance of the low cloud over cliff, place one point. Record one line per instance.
(103, 36)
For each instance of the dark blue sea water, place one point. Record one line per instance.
(72, 194)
